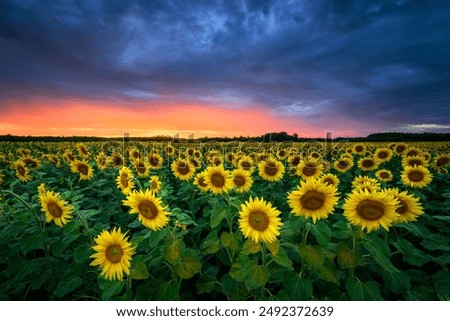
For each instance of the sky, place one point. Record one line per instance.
(224, 67)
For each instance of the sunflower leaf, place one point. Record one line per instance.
(255, 275)
(189, 265)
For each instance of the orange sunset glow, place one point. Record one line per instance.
(44, 117)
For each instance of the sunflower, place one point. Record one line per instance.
(329, 179)
(125, 180)
(182, 169)
(259, 221)
(416, 176)
(155, 184)
(369, 187)
(362, 180)
(400, 148)
(117, 160)
(22, 171)
(294, 160)
(383, 154)
(113, 254)
(134, 154)
(343, 164)
(414, 161)
(155, 161)
(142, 168)
(151, 213)
(282, 153)
(199, 181)
(55, 208)
(412, 151)
(195, 162)
(102, 161)
(246, 163)
(441, 161)
(313, 199)
(31, 162)
(218, 179)
(271, 170)
(309, 169)
(359, 149)
(68, 156)
(170, 150)
(242, 180)
(82, 150)
(370, 210)
(409, 206)
(367, 164)
(83, 168)
(384, 175)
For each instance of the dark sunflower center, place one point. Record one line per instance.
(384, 175)
(70, 156)
(328, 181)
(403, 208)
(217, 180)
(21, 170)
(201, 182)
(281, 153)
(441, 161)
(295, 161)
(415, 176)
(270, 169)
(117, 160)
(342, 164)
(370, 210)
(54, 209)
(312, 200)
(359, 149)
(154, 161)
(367, 163)
(83, 150)
(124, 180)
(400, 148)
(246, 165)
(136, 155)
(154, 185)
(309, 170)
(83, 169)
(382, 155)
(258, 220)
(217, 161)
(413, 162)
(239, 180)
(148, 209)
(141, 167)
(182, 168)
(101, 161)
(412, 153)
(114, 253)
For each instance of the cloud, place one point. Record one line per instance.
(381, 63)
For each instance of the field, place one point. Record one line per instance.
(224, 221)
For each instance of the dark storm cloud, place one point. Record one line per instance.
(387, 60)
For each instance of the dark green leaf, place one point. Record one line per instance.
(298, 288)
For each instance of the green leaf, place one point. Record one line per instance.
(298, 288)
(273, 247)
(256, 275)
(217, 216)
(250, 247)
(189, 265)
(82, 254)
(30, 242)
(173, 251)
(230, 241)
(139, 271)
(67, 285)
(346, 257)
(322, 232)
(237, 271)
(110, 288)
(398, 282)
(412, 255)
(328, 273)
(314, 257)
(359, 291)
(436, 242)
(232, 289)
(282, 258)
(167, 291)
(211, 244)
(342, 230)
(441, 282)
(380, 252)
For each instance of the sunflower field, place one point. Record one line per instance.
(224, 221)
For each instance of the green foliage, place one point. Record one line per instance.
(202, 254)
